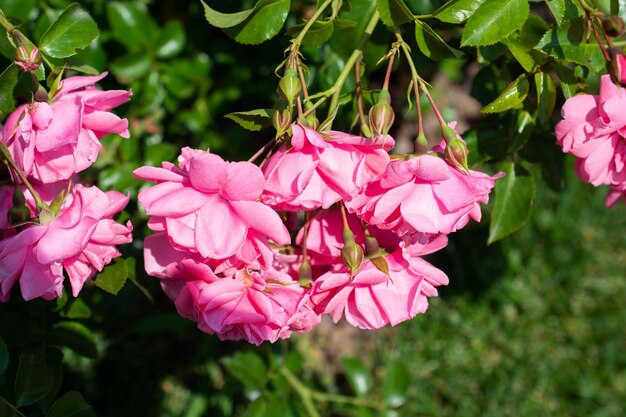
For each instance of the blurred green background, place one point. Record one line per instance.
(533, 325)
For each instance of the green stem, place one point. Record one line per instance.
(5, 23)
(359, 95)
(7, 156)
(307, 393)
(298, 41)
(344, 399)
(302, 390)
(356, 55)
(11, 406)
(417, 79)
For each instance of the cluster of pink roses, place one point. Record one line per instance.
(66, 228)
(330, 224)
(594, 130)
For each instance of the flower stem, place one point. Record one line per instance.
(356, 54)
(298, 41)
(263, 149)
(303, 392)
(359, 93)
(418, 108)
(306, 393)
(416, 79)
(39, 204)
(11, 406)
(388, 74)
(4, 22)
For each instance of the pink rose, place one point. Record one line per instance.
(594, 130)
(423, 194)
(209, 207)
(616, 194)
(79, 239)
(371, 299)
(319, 169)
(52, 142)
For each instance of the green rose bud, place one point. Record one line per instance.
(351, 253)
(289, 86)
(381, 115)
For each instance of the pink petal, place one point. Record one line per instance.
(219, 230)
(244, 181)
(260, 217)
(64, 127)
(207, 172)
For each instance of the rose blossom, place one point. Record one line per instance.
(81, 239)
(319, 169)
(52, 142)
(209, 207)
(372, 299)
(594, 130)
(423, 194)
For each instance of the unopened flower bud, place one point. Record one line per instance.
(617, 66)
(613, 26)
(281, 121)
(421, 144)
(27, 59)
(305, 274)
(351, 253)
(289, 86)
(456, 154)
(381, 114)
(371, 246)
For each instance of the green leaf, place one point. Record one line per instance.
(8, 81)
(457, 11)
(394, 12)
(253, 120)
(131, 25)
(4, 356)
(567, 42)
(18, 9)
(171, 41)
(514, 196)
(251, 26)
(358, 376)
(396, 384)
(521, 54)
(131, 264)
(248, 368)
(131, 67)
(513, 95)
(532, 31)
(77, 310)
(75, 336)
(113, 277)
(73, 29)
(71, 404)
(570, 85)
(494, 20)
(33, 380)
(522, 128)
(557, 7)
(319, 33)
(546, 96)
(431, 44)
